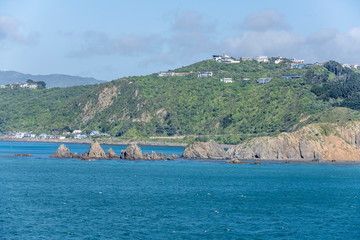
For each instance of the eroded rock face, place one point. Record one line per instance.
(95, 152)
(309, 143)
(110, 154)
(201, 150)
(132, 152)
(62, 152)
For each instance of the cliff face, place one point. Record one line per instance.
(201, 150)
(313, 142)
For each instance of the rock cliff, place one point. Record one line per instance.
(202, 150)
(110, 154)
(323, 141)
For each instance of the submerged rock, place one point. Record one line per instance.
(236, 161)
(202, 150)
(62, 152)
(132, 152)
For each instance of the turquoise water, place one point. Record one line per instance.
(44, 198)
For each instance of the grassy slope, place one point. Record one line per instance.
(161, 106)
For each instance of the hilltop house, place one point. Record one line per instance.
(226, 80)
(264, 59)
(224, 59)
(172, 74)
(263, 80)
(205, 74)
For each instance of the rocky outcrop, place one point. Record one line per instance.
(110, 154)
(62, 152)
(156, 157)
(95, 152)
(313, 142)
(132, 152)
(202, 150)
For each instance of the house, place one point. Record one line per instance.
(173, 74)
(246, 79)
(77, 132)
(263, 80)
(80, 136)
(245, 59)
(224, 59)
(297, 66)
(205, 74)
(291, 76)
(294, 60)
(264, 59)
(43, 136)
(94, 133)
(226, 80)
(2, 86)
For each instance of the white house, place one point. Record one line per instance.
(264, 59)
(226, 80)
(205, 74)
(77, 132)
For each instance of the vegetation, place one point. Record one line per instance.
(199, 108)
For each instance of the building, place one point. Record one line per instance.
(245, 59)
(263, 80)
(224, 59)
(294, 60)
(205, 74)
(297, 65)
(264, 59)
(173, 74)
(2, 86)
(77, 132)
(226, 80)
(291, 76)
(246, 79)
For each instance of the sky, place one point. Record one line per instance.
(113, 38)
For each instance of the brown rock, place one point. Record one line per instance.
(201, 150)
(155, 156)
(110, 154)
(146, 156)
(95, 152)
(236, 161)
(132, 152)
(62, 152)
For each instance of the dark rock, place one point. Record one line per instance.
(236, 161)
(132, 152)
(201, 150)
(110, 154)
(171, 157)
(146, 156)
(21, 155)
(62, 152)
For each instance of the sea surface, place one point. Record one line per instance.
(46, 198)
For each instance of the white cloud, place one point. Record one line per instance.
(99, 43)
(268, 19)
(10, 31)
(271, 42)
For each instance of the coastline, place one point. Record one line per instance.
(142, 143)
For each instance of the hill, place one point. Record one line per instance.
(52, 80)
(190, 106)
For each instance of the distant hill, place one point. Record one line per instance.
(52, 80)
(179, 103)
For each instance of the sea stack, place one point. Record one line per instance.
(62, 152)
(132, 152)
(95, 152)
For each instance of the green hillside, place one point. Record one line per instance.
(187, 105)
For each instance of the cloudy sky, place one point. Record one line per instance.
(114, 38)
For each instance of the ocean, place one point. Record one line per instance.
(46, 198)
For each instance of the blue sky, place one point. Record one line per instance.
(112, 39)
